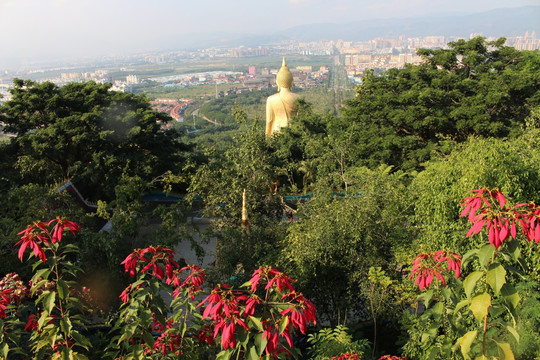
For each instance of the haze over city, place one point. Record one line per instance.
(59, 29)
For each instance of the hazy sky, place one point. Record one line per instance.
(89, 28)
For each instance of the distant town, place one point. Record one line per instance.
(355, 57)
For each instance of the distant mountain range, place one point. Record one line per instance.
(499, 22)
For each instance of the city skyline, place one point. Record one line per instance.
(49, 30)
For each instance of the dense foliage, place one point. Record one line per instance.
(474, 88)
(85, 133)
(343, 203)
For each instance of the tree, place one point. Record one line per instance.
(475, 87)
(335, 242)
(247, 164)
(87, 133)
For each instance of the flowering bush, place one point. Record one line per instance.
(256, 320)
(55, 318)
(251, 320)
(485, 292)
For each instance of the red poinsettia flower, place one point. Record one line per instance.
(426, 267)
(4, 301)
(61, 224)
(32, 323)
(31, 237)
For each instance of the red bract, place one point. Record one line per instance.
(31, 324)
(530, 223)
(31, 237)
(453, 260)
(124, 296)
(473, 203)
(301, 313)
(193, 281)
(272, 277)
(390, 357)
(272, 335)
(153, 258)
(4, 301)
(429, 266)
(168, 343)
(250, 305)
(61, 224)
(500, 222)
(130, 262)
(222, 302)
(204, 336)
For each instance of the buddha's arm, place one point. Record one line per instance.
(269, 118)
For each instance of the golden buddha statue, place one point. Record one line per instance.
(281, 107)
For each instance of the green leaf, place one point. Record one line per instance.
(465, 343)
(78, 356)
(257, 323)
(242, 337)
(510, 295)
(513, 331)
(437, 310)
(514, 249)
(81, 340)
(283, 324)
(461, 305)
(48, 301)
(253, 353)
(467, 257)
(63, 289)
(67, 354)
(260, 343)
(470, 282)
(485, 254)
(41, 273)
(505, 352)
(224, 355)
(149, 339)
(65, 325)
(41, 321)
(4, 350)
(496, 277)
(427, 297)
(480, 305)
(246, 284)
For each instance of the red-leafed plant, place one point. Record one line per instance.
(56, 320)
(485, 296)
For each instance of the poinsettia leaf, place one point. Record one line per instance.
(470, 282)
(496, 277)
(465, 343)
(480, 305)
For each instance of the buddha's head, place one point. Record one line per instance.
(284, 78)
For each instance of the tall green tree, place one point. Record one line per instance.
(336, 240)
(87, 133)
(475, 87)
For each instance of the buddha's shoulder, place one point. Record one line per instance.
(272, 98)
